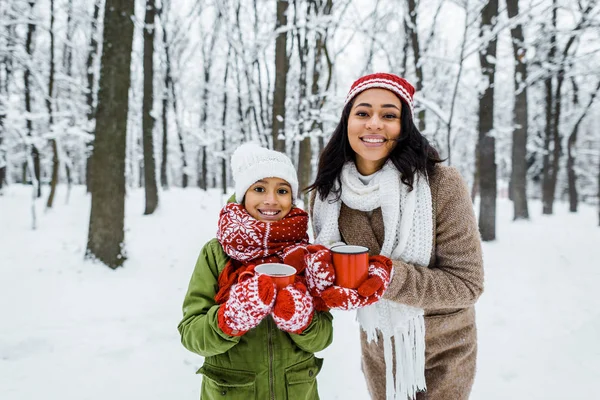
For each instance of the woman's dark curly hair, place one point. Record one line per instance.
(412, 154)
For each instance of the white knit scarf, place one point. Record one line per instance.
(408, 227)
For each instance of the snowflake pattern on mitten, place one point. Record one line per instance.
(293, 310)
(319, 269)
(249, 302)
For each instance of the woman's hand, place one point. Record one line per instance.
(369, 292)
(293, 310)
(249, 302)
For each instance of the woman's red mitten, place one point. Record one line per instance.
(249, 302)
(341, 298)
(319, 270)
(380, 271)
(293, 310)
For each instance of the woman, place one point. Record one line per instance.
(380, 185)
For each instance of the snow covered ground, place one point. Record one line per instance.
(74, 330)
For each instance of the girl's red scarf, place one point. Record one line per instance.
(249, 242)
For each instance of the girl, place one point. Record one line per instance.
(379, 184)
(258, 343)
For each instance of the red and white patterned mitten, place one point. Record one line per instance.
(249, 302)
(293, 310)
(341, 298)
(319, 271)
(369, 292)
(380, 273)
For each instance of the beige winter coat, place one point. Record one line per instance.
(446, 290)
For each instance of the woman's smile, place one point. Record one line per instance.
(373, 140)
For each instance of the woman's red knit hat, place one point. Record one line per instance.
(399, 86)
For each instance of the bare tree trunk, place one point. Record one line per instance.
(487, 143)
(547, 186)
(49, 100)
(223, 123)
(150, 186)
(304, 169)
(106, 234)
(162, 13)
(571, 174)
(414, 39)
(184, 180)
(92, 54)
(35, 154)
(281, 69)
(208, 55)
(518, 179)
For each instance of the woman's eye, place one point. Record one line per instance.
(361, 114)
(259, 189)
(282, 191)
(390, 116)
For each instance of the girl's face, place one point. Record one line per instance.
(373, 125)
(269, 199)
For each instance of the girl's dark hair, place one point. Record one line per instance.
(412, 154)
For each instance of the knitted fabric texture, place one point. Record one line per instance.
(293, 310)
(248, 303)
(394, 83)
(408, 226)
(245, 238)
(250, 242)
(251, 163)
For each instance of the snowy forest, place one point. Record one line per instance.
(156, 94)
(118, 119)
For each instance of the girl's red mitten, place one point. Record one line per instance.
(293, 310)
(380, 272)
(319, 269)
(249, 302)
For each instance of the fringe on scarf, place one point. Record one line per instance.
(407, 337)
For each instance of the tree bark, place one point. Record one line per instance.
(414, 40)
(35, 154)
(304, 169)
(92, 54)
(281, 69)
(223, 124)
(162, 13)
(571, 174)
(49, 101)
(547, 181)
(487, 142)
(518, 179)
(150, 186)
(106, 234)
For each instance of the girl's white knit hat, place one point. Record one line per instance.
(250, 163)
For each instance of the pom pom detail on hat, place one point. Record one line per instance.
(251, 163)
(394, 83)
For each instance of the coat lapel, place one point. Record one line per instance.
(357, 228)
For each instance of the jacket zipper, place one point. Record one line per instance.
(270, 347)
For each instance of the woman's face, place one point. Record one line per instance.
(269, 199)
(373, 126)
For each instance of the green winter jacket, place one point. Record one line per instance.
(265, 363)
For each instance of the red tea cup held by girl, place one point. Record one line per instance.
(282, 274)
(351, 265)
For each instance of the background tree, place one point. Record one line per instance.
(148, 111)
(281, 69)
(487, 142)
(106, 234)
(518, 178)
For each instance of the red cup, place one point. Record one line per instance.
(351, 265)
(282, 274)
